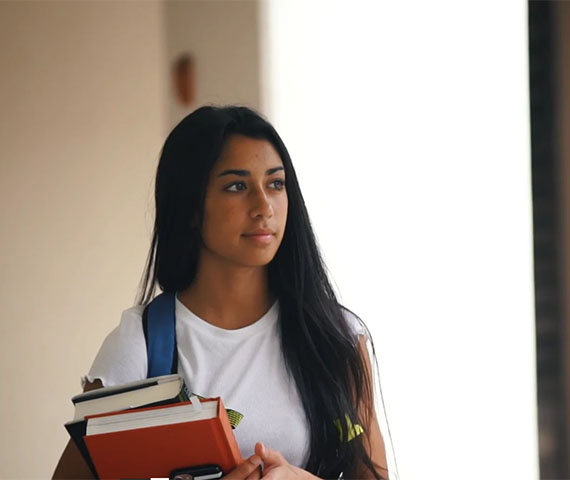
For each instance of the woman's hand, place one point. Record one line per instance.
(248, 469)
(275, 467)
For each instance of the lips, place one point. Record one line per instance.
(260, 233)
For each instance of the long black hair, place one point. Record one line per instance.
(319, 346)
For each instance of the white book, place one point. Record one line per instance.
(153, 418)
(130, 395)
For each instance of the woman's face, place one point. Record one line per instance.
(246, 203)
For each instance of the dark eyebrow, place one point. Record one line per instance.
(245, 173)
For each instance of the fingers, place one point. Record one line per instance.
(269, 456)
(246, 469)
(255, 475)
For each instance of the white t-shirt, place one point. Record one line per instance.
(245, 367)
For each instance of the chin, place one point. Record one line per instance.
(256, 260)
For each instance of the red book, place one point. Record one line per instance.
(152, 442)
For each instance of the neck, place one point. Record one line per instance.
(228, 295)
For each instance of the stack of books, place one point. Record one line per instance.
(151, 428)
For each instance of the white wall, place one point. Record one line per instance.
(408, 125)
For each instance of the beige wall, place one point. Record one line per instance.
(223, 38)
(84, 112)
(82, 117)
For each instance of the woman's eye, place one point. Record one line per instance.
(236, 187)
(279, 184)
(240, 186)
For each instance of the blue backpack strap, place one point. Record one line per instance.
(159, 326)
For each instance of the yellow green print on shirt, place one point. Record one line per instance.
(353, 430)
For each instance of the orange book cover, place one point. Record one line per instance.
(156, 451)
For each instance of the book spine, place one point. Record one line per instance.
(227, 434)
(77, 431)
(109, 391)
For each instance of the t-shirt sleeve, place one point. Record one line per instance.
(122, 356)
(355, 324)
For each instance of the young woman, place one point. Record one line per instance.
(257, 321)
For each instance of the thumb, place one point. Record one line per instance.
(269, 456)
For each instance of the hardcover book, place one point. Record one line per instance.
(152, 442)
(164, 390)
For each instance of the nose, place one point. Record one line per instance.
(260, 204)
